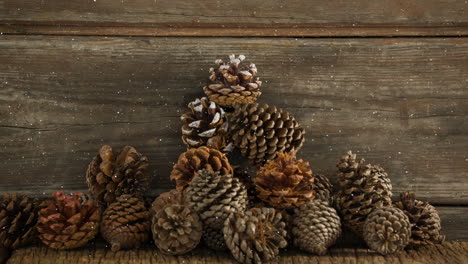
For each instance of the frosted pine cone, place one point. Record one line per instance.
(316, 226)
(261, 131)
(109, 177)
(126, 223)
(387, 230)
(205, 125)
(362, 188)
(285, 182)
(424, 218)
(167, 198)
(255, 236)
(197, 159)
(176, 229)
(68, 221)
(233, 83)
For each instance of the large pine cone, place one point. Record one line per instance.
(176, 229)
(205, 125)
(171, 197)
(387, 230)
(214, 197)
(18, 219)
(424, 219)
(361, 190)
(233, 83)
(323, 188)
(256, 235)
(126, 223)
(260, 131)
(68, 221)
(316, 226)
(285, 182)
(197, 159)
(109, 177)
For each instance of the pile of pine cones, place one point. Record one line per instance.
(278, 201)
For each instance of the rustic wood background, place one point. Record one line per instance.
(387, 79)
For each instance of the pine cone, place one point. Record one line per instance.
(387, 230)
(214, 238)
(323, 188)
(362, 189)
(205, 125)
(214, 197)
(285, 182)
(233, 83)
(197, 159)
(126, 223)
(176, 229)
(424, 219)
(68, 221)
(260, 131)
(18, 218)
(110, 177)
(256, 235)
(316, 226)
(171, 197)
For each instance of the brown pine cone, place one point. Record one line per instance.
(316, 227)
(109, 177)
(361, 190)
(176, 229)
(68, 221)
(323, 188)
(171, 197)
(255, 236)
(214, 238)
(387, 230)
(233, 83)
(126, 223)
(205, 125)
(18, 219)
(424, 218)
(214, 197)
(197, 159)
(285, 182)
(260, 131)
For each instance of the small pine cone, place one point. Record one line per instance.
(387, 230)
(214, 197)
(68, 221)
(316, 226)
(323, 188)
(18, 218)
(255, 236)
(424, 219)
(285, 182)
(362, 188)
(260, 131)
(197, 159)
(171, 197)
(176, 229)
(205, 125)
(214, 238)
(109, 177)
(233, 82)
(126, 223)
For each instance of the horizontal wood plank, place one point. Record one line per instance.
(446, 253)
(401, 103)
(245, 18)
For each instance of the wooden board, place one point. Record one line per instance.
(401, 103)
(456, 253)
(245, 18)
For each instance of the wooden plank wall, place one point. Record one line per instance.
(387, 79)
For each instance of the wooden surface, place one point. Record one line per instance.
(454, 253)
(246, 17)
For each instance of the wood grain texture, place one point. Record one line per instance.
(245, 18)
(456, 253)
(401, 103)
